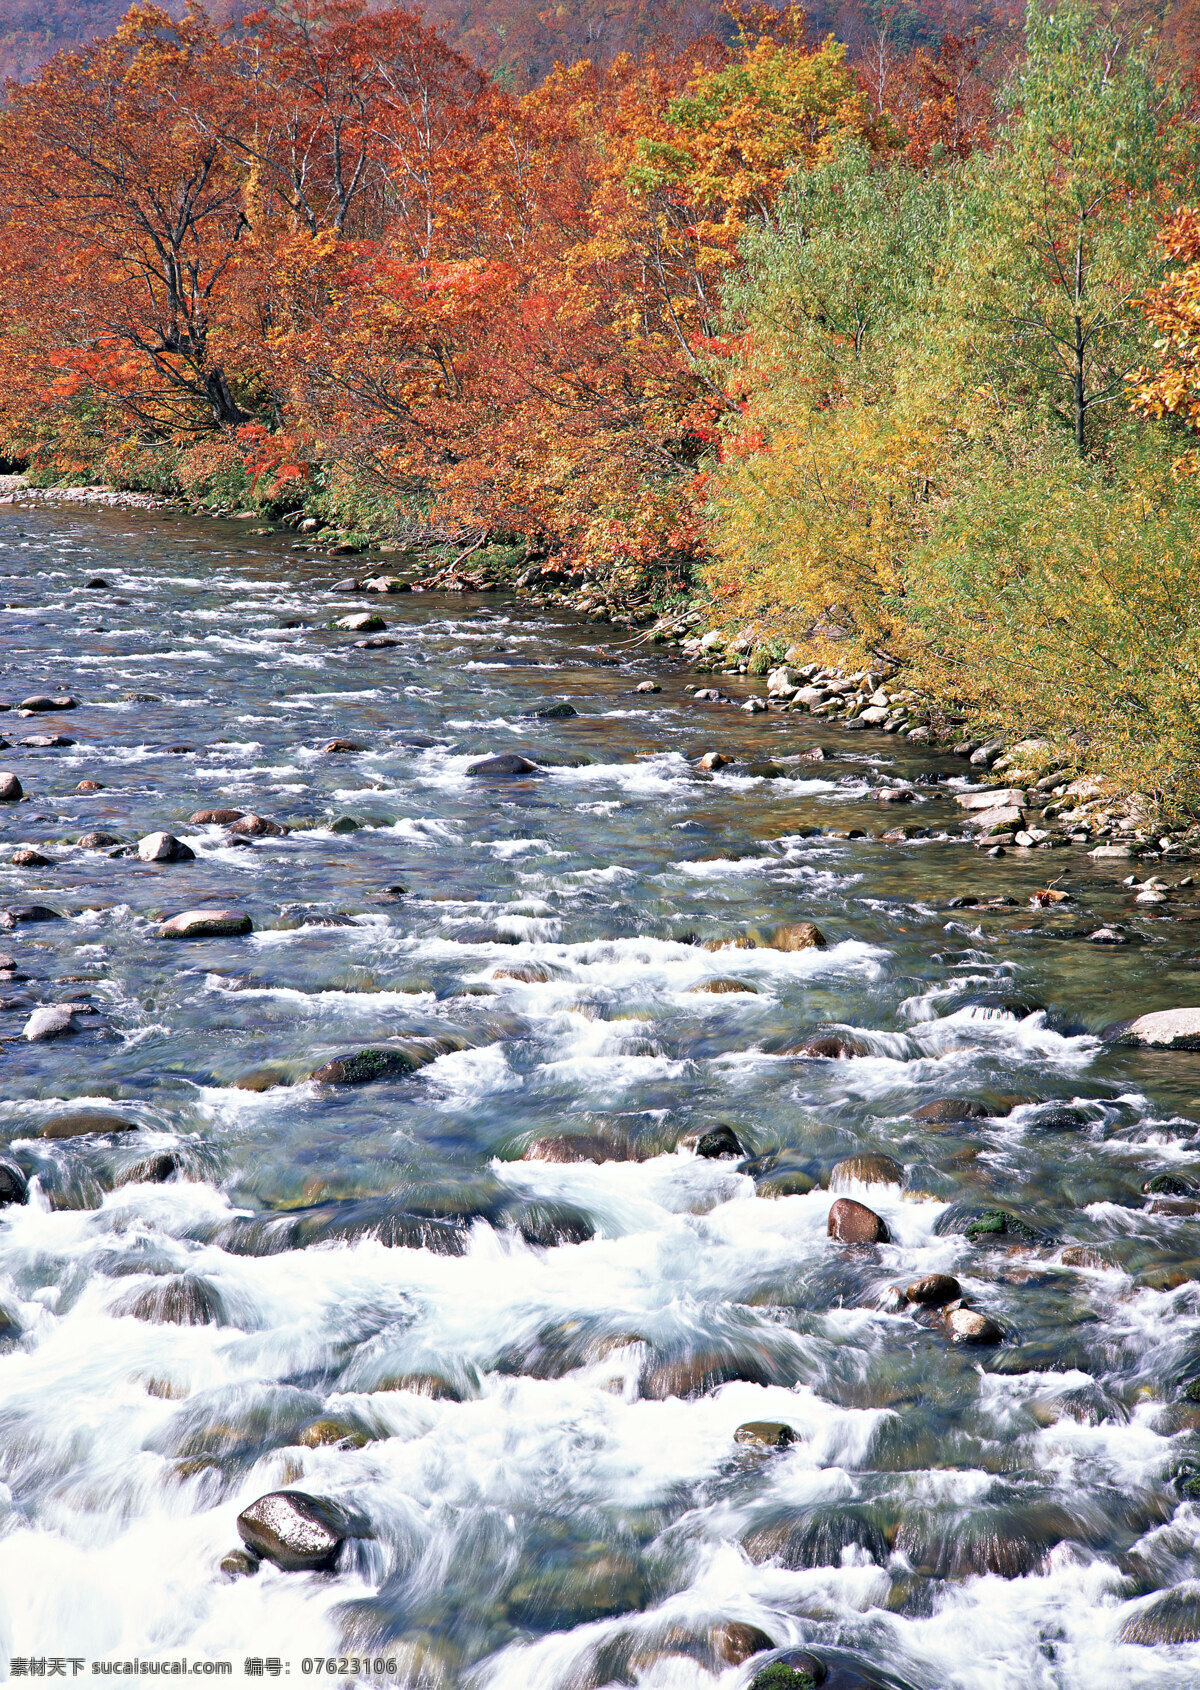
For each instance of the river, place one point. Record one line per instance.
(519, 1380)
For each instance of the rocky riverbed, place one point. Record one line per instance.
(523, 1173)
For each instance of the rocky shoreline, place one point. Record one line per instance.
(1045, 799)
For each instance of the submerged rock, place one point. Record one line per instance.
(714, 1145)
(828, 1047)
(41, 702)
(82, 1123)
(361, 1067)
(342, 748)
(257, 827)
(215, 818)
(152, 1170)
(179, 1301)
(27, 858)
(578, 1147)
(946, 1111)
(934, 1290)
(733, 1642)
(765, 1434)
(1173, 1617)
(865, 1170)
(552, 712)
(796, 1670)
(206, 924)
(818, 1536)
(291, 1529)
(509, 763)
(17, 915)
(164, 848)
(798, 936)
(853, 1223)
(722, 987)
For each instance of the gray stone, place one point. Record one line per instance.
(11, 790)
(991, 798)
(361, 622)
(50, 1021)
(164, 848)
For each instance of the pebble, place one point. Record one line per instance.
(854, 1223)
(164, 848)
(11, 790)
(206, 924)
(290, 1529)
(50, 1021)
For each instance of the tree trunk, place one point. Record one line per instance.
(225, 408)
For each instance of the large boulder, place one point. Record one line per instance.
(11, 790)
(361, 622)
(297, 1532)
(1164, 1029)
(217, 818)
(853, 1223)
(206, 924)
(992, 798)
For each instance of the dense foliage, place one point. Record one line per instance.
(960, 444)
(900, 356)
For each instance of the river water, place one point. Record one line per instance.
(534, 1370)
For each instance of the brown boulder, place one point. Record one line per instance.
(865, 1170)
(854, 1223)
(934, 1290)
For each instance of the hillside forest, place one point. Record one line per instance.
(893, 353)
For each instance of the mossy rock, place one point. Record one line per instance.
(780, 1677)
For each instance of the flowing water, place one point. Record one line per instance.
(530, 1372)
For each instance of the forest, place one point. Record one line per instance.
(892, 349)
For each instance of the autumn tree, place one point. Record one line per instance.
(123, 216)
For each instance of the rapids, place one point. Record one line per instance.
(533, 1370)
